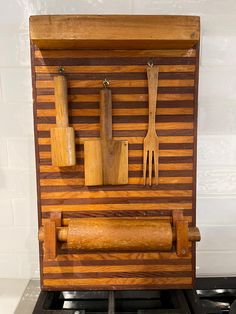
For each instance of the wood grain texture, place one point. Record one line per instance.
(64, 190)
(93, 164)
(182, 236)
(115, 235)
(50, 243)
(151, 140)
(115, 268)
(113, 69)
(101, 53)
(111, 166)
(114, 31)
(120, 283)
(126, 234)
(62, 137)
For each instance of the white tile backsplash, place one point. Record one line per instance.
(218, 24)
(3, 153)
(14, 15)
(218, 50)
(217, 117)
(14, 52)
(216, 150)
(18, 240)
(85, 7)
(21, 153)
(1, 97)
(16, 85)
(209, 211)
(29, 265)
(16, 120)
(217, 238)
(6, 212)
(219, 263)
(215, 181)
(9, 265)
(183, 7)
(16, 183)
(216, 206)
(217, 84)
(25, 211)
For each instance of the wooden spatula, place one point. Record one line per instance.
(106, 160)
(62, 137)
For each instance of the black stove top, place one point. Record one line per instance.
(213, 296)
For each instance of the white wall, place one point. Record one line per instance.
(216, 205)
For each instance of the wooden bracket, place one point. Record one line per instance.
(56, 217)
(50, 235)
(182, 233)
(177, 214)
(182, 241)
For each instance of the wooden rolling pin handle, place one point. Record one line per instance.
(61, 101)
(61, 232)
(193, 234)
(106, 114)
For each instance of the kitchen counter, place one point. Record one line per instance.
(11, 292)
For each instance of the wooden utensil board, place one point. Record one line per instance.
(63, 190)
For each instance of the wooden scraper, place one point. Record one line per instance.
(105, 159)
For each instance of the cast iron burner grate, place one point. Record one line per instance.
(209, 299)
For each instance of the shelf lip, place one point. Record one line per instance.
(114, 31)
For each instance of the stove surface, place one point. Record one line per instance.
(201, 301)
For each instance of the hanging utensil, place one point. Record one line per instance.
(106, 160)
(151, 141)
(62, 137)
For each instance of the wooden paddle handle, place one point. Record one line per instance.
(105, 114)
(61, 101)
(152, 75)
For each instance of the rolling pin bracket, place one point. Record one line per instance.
(180, 226)
(49, 236)
(118, 234)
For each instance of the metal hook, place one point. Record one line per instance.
(150, 64)
(106, 83)
(61, 70)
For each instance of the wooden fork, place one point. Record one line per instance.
(151, 141)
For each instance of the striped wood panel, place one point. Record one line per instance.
(63, 190)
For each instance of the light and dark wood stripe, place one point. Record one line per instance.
(134, 283)
(162, 265)
(160, 214)
(63, 189)
(119, 76)
(87, 68)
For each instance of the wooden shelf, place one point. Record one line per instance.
(114, 31)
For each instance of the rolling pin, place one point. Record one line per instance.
(62, 137)
(101, 234)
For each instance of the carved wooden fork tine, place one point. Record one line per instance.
(151, 141)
